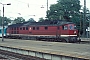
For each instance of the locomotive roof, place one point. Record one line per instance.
(47, 22)
(43, 23)
(17, 25)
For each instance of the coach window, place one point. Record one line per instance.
(33, 28)
(37, 28)
(26, 28)
(23, 28)
(0, 31)
(46, 28)
(20, 28)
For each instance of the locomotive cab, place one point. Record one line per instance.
(70, 32)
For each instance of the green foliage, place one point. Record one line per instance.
(40, 19)
(19, 20)
(6, 21)
(64, 9)
(87, 17)
(55, 12)
(31, 20)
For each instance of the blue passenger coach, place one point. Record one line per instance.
(5, 29)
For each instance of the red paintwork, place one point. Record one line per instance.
(52, 30)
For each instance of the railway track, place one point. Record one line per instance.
(2, 58)
(40, 49)
(16, 56)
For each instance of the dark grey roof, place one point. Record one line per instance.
(43, 23)
(17, 25)
(47, 22)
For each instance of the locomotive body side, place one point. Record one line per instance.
(65, 32)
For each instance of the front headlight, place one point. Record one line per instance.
(74, 32)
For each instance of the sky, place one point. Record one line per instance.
(29, 8)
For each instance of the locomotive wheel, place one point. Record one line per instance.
(63, 40)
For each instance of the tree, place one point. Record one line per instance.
(54, 12)
(6, 21)
(19, 20)
(87, 17)
(65, 10)
(40, 19)
(81, 20)
(31, 20)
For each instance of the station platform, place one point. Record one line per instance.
(57, 48)
(85, 39)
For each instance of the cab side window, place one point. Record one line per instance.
(71, 27)
(64, 27)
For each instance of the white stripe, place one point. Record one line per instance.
(42, 35)
(68, 35)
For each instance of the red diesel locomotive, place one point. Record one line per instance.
(56, 30)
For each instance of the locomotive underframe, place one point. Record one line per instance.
(45, 37)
